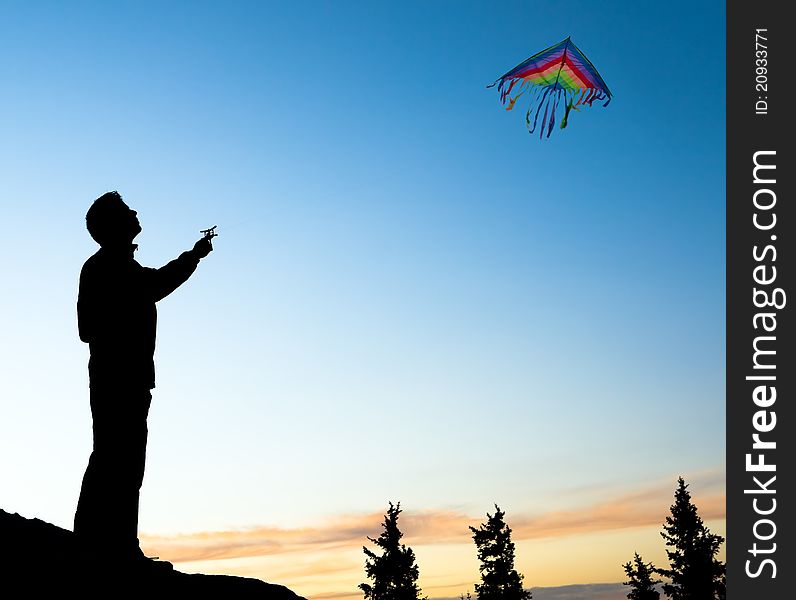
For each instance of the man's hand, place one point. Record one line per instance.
(203, 247)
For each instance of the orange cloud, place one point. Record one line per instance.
(637, 509)
(645, 507)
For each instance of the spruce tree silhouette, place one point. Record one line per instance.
(394, 573)
(117, 317)
(639, 575)
(499, 579)
(694, 572)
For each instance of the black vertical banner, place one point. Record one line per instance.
(761, 225)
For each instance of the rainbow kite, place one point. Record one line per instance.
(562, 72)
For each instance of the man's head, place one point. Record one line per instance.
(111, 222)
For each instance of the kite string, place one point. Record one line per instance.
(253, 218)
(299, 210)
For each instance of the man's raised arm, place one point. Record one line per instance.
(172, 275)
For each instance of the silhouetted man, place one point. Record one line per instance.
(117, 317)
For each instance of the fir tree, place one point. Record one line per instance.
(499, 579)
(394, 573)
(694, 572)
(639, 575)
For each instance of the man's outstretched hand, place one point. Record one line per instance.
(203, 247)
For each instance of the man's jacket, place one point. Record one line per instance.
(116, 314)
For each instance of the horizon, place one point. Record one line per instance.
(410, 299)
(543, 542)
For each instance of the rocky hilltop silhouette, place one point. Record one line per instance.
(41, 560)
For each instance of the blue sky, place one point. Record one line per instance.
(411, 298)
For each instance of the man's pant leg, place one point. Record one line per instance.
(107, 511)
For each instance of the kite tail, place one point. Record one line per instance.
(553, 105)
(505, 93)
(544, 120)
(509, 102)
(548, 100)
(539, 101)
(513, 100)
(566, 113)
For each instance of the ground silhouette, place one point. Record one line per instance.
(40, 560)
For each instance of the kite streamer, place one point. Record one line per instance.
(560, 73)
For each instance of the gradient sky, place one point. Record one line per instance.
(411, 298)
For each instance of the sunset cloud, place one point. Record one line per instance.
(324, 561)
(638, 508)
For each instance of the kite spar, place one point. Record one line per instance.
(561, 72)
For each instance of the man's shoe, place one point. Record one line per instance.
(139, 562)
